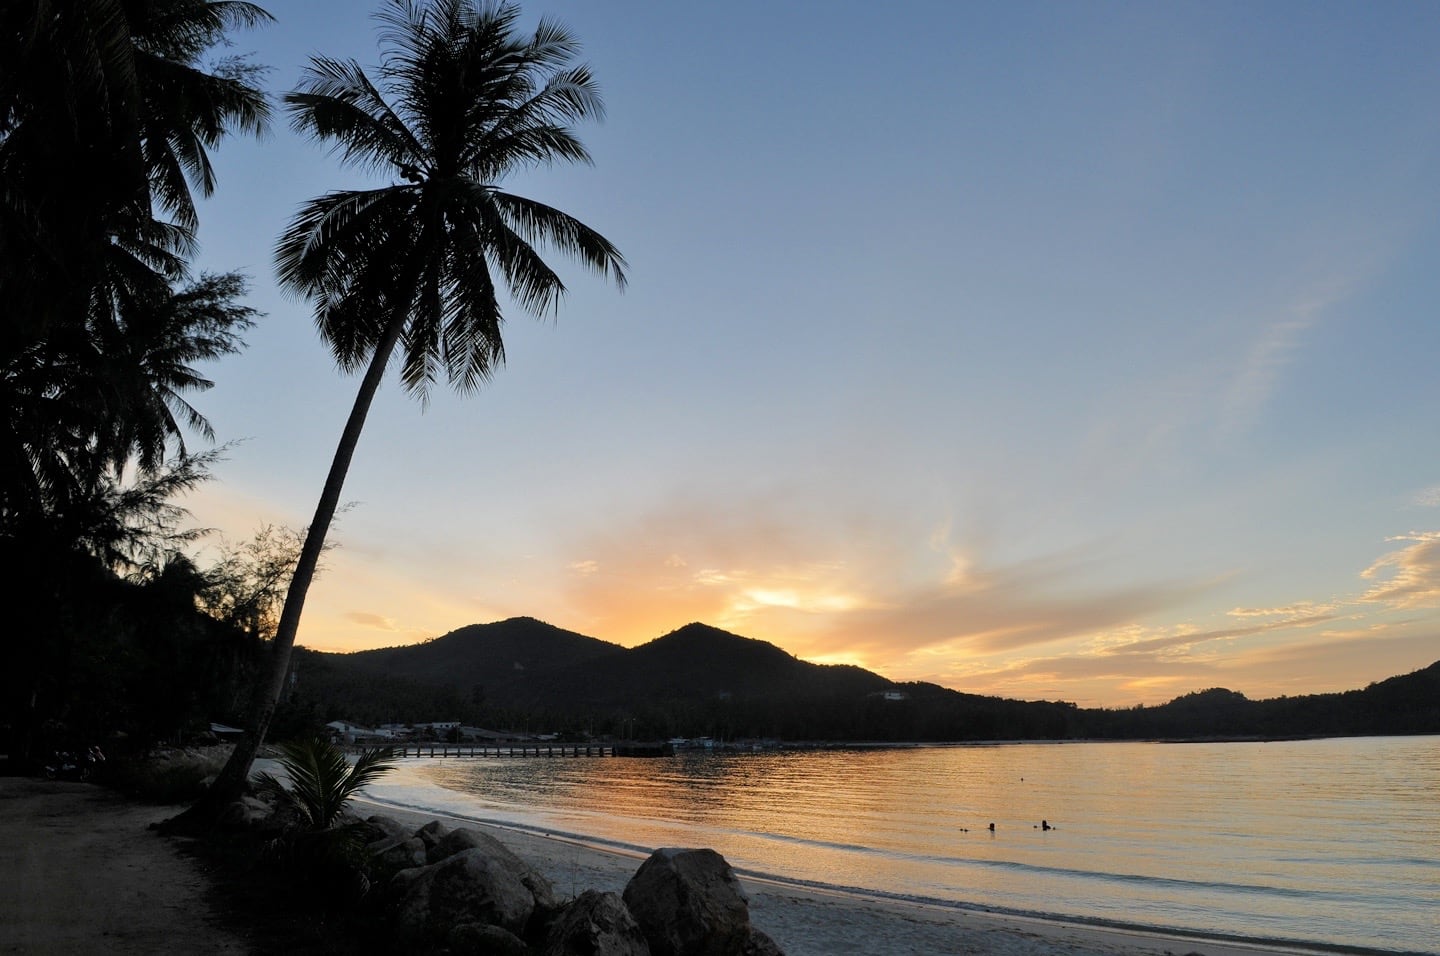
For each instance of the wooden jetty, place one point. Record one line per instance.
(624, 749)
(503, 750)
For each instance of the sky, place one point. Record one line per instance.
(1065, 351)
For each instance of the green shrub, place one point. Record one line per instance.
(329, 862)
(322, 779)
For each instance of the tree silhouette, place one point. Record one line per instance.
(461, 100)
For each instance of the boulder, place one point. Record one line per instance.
(431, 833)
(689, 903)
(469, 887)
(246, 813)
(388, 825)
(596, 924)
(397, 853)
(453, 841)
(463, 838)
(759, 944)
(481, 939)
(262, 813)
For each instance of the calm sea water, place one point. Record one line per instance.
(1329, 841)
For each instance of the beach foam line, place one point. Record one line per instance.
(598, 844)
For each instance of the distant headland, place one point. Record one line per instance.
(700, 681)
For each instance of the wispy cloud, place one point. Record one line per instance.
(1410, 576)
(999, 610)
(376, 622)
(1428, 497)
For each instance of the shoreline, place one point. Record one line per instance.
(68, 841)
(808, 919)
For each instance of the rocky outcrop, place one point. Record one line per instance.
(381, 827)
(465, 891)
(468, 887)
(689, 903)
(398, 853)
(459, 840)
(480, 939)
(432, 833)
(596, 924)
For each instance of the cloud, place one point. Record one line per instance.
(1428, 497)
(1275, 349)
(1300, 609)
(376, 622)
(912, 604)
(1410, 576)
(1266, 359)
(725, 561)
(1187, 639)
(993, 611)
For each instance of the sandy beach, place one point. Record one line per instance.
(85, 874)
(810, 922)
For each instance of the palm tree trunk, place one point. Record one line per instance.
(268, 690)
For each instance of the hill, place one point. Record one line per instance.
(700, 680)
(511, 659)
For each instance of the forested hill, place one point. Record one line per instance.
(702, 681)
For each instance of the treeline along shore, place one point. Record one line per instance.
(527, 676)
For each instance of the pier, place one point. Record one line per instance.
(504, 750)
(631, 749)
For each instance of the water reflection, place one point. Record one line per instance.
(1330, 841)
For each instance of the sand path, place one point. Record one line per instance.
(80, 872)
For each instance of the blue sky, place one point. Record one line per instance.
(1054, 350)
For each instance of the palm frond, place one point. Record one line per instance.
(537, 222)
(338, 105)
(322, 779)
(462, 99)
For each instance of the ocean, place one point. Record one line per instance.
(1321, 842)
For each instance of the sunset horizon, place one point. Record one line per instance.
(1109, 379)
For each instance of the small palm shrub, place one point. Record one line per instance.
(322, 779)
(329, 860)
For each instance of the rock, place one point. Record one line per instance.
(260, 813)
(431, 833)
(453, 841)
(246, 813)
(689, 903)
(760, 944)
(596, 924)
(463, 838)
(376, 828)
(481, 939)
(397, 853)
(389, 826)
(469, 887)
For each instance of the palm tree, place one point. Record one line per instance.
(86, 403)
(322, 780)
(462, 100)
(107, 111)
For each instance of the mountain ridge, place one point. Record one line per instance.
(699, 679)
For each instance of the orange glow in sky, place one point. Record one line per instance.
(1080, 353)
